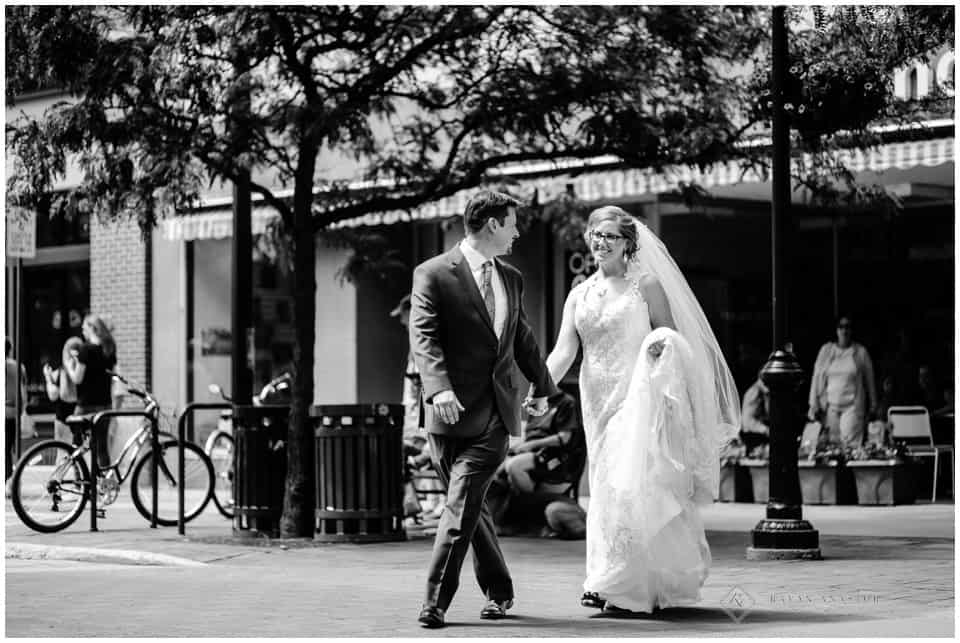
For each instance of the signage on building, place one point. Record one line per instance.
(21, 233)
(580, 264)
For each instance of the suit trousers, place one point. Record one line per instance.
(466, 467)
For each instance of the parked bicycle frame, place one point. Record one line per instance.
(52, 482)
(219, 446)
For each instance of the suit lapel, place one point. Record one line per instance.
(468, 284)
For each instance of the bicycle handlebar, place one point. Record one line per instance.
(150, 400)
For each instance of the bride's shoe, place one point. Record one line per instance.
(592, 599)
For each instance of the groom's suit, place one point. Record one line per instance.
(455, 347)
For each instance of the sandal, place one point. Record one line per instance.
(592, 599)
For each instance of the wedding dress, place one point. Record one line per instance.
(649, 465)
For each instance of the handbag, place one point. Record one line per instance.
(27, 428)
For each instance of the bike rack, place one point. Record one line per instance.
(95, 462)
(182, 437)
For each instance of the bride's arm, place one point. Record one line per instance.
(657, 303)
(568, 342)
(658, 307)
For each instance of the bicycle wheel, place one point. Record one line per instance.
(220, 449)
(49, 488)
(198, 482)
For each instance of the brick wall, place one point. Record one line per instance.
(120, 292)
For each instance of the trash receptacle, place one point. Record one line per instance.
(260, 468)
(359, 472)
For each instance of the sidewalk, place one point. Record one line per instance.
(887, 572)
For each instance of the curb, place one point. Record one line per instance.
(24, 551)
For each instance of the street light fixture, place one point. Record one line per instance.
(783, 534)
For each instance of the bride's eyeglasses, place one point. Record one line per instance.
(603, 236)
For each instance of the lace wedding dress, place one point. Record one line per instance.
(645, 540)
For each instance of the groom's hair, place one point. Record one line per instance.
(486, 204)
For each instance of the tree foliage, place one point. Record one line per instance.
(363, 109)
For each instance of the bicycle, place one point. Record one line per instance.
(51, 484)
(219, 446)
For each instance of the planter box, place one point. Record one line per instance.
(759, 477)
(735, 484)
(883, 482)
(826, 483)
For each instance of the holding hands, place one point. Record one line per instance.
(656, 348)
(535, 406)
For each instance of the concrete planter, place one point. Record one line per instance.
(883, 482)
(759, 478)
(826, 483)
(735, 484)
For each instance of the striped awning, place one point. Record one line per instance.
(589, 185)
(215, 224)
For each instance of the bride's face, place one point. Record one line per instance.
(606, 243)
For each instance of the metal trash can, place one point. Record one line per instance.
(260, 468)
(359, 472)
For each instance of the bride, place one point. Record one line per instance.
(658, 402)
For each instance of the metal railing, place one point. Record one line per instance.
(181, 464)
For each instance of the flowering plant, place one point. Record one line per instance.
(873, 451)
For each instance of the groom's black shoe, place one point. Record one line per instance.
(496, 609)
(431, 616)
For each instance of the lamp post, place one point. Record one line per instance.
(783, 534)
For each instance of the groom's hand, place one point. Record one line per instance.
(447, 406)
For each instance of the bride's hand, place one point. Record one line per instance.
(656, 348)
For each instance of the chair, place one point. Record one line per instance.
(911, 425)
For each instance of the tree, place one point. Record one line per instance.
(425, 100)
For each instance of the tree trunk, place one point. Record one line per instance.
(298, 500)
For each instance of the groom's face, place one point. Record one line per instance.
(504, 235)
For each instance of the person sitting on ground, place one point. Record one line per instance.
(530, 490)
(755, 415)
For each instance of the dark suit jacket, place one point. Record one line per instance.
(455, 348)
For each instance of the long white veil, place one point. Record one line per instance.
(713, 393)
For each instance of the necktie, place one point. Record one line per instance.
(486, 289)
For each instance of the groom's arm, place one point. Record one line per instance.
(527, 353)
(425, 334)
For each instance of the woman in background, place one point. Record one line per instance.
(842, 390)
(62, 391)
(88, 367)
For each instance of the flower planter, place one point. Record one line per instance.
(826, 483)
(883, 482)
(759, 478)
(735, 484)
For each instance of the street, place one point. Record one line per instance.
(896, 584)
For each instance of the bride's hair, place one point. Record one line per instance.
(626, 224)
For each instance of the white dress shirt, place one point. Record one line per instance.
(475, 260)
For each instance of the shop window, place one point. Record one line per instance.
(55, 300)
(59, 226)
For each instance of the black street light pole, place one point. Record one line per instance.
(783, 534)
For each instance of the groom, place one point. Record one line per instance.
(468, 332)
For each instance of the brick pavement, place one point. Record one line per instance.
(888, 582)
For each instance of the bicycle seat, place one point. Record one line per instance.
(84, 420)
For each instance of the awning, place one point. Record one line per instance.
(216, 224)
(589, 185)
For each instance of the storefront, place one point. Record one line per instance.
(54, 297)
